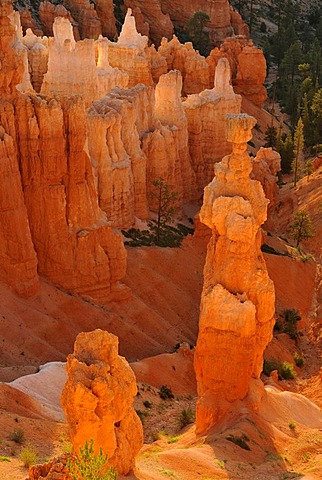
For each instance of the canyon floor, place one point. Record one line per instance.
(284, 435)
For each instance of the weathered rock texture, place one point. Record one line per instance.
(72, 68)
(37, 58)
(207, 127)
(130, 53)
(134, 137)
(159, 24)
(248, 67)
(76, 247)
(167, 148)
(17, 255)
(237, 304)
(47, 14)
(193, 67)
(218, 10)
(98, 397)
(116, 124)
(266, 164)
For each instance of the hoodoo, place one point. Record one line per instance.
(97, 399)
(237, 304)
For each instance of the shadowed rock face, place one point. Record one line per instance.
(237, 304)
(97, 399)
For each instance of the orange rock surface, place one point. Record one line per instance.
(237, 303)
(248, 66)
(266, 164)
(160, 24)
(218, 11)
(47, 14)
(130, 53)
(98, 397)
(167, 147)
(61, 198)
(206, 114)
(193, 67)
(83, 11)
(72, 67)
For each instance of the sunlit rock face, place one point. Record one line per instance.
(72, 68)
(17, 255)
(207, 127)
(237, 304)
(248, 67)
(266, 164)
(98, 400)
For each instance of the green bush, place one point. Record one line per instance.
(291, 318)
(147, 404)
(17, 436)
(285, 369)
(292, 425)
(89, 466)
(165, 392)
(299, 361)
(186, 417)
(28, 456)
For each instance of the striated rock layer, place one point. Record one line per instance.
(248, 67)
(207, 128)
(237, 304)
(98, 400)
(61, 199)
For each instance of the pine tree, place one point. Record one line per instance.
(301, 227)
(298, 150)
(286, 151)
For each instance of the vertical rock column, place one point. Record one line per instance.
(98, 399)
(237, 303)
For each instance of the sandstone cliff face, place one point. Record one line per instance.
(248, 66)
(193, 67)
(61, 199)
(72, 68)
(130, 53)
(207, 128)
(84, 13)
(98, 397)
(115, 126)
(167, 148)
(237, 305)
(37, 58)
(218, 11)
(266, 164)
(47, 14)
(160, 24)
(17, 255)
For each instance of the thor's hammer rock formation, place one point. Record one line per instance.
(237, 304)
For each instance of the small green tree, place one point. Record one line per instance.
(298, 150)
(309, 168)
(271, 137)
(165, 205)
(86, 465)
(301, 227)
(196, 29)
(285, 149)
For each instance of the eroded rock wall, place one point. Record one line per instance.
(248, 67)
(76, 248)
(98, 400)
(207, 127)
(237, 304)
